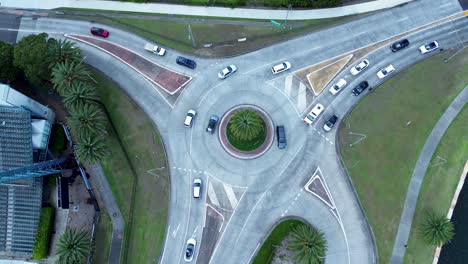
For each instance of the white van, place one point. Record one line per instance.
(313, 114)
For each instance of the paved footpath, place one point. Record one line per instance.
(253, 13)
(418, 175)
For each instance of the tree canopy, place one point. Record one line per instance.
(30, 55)
(8, 71)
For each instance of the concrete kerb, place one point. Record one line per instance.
(350, 182)
(269, 127)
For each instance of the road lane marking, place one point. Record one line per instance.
(174, 233)
(251, 211)
(402, 19)
(288, 85)
(212, 195)
(445, 5)
(361, 33)
(301, 98)
(230, 195)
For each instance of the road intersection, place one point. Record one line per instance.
(243, 199)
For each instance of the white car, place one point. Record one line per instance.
(155, 49)
(281, 67)
(227, 71)
(429, 47)
(313, 114)
(359, 67)
(189, 118)
(197, 188)
(190, 249)
(336, 88)
(385, 71)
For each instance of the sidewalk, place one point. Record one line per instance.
(419, 172)
(252, 13)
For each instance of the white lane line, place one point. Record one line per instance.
(212, 195)
(251, 211)
(445, 5)
(361, 33)
(230, 195)
(301, 98)
(402, 19)
(174, 233)
(254, 253)
(264, 65)
(288, 85)
(455, 31)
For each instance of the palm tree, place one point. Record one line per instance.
(89, 119)
(66, 73)
(308, 243)
(78, 95)
(436, 229)
(60, 51)
(91, 148)
(246, 124)
(73, 247)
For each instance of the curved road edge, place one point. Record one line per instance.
(419, 172)
(251, 13)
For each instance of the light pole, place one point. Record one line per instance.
(287, 13)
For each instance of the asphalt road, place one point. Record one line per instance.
(253, 195)
(8, 21)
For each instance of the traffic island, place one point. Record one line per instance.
(243, 148)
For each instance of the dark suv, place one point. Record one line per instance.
(212, 124)
(399, 45)
(360, 88)
(281, 134)
(186, 62)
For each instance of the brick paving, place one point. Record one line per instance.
(170, 81)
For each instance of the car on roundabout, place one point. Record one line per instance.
(385, 71)
(279, 68)
(336, 88)
(190, 249)
(212, 124)
(360, 88)
(99, 32)
(189, 118)
(186, 62)
(358, 68)
(431, 46)
(226, 72)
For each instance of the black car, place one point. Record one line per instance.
(281, 134)
(330, 123)
(186, 62)
(399, 45)
(212, 124)
(360, 88)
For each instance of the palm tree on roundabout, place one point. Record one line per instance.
(91, 148)
(436, 229)
(64, 74)
(60, 51)
(246, 124)
(80, 94)
(308, 243)
(73, 247)
(89, 119)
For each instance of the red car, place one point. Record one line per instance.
(99, 32)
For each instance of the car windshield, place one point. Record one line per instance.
(310, 117)
(188, 253)
(384, 71)
(229, 68)
(336, 87)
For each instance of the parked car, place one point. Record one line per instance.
(313, 114)
(197, 184)
(189, 118)
(385, 71)
(330, 123)
(399, 45)
(99, 32)
(212, 124)
(429, 47)
(227, 71)
(186, 62)
(360, 88)
(190, 249)
(279, 68)
(155, 49)
(359, 67)
(336, 88)
(281, 134)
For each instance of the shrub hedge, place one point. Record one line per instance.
(44, 230)
(268, 3)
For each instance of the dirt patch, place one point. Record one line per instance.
(319, 79)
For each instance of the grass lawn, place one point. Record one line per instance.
(440, 183)
(267, 251)
(103, 238)
(223, 37)
(246, 145)
(396, 119)
(137, 172)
